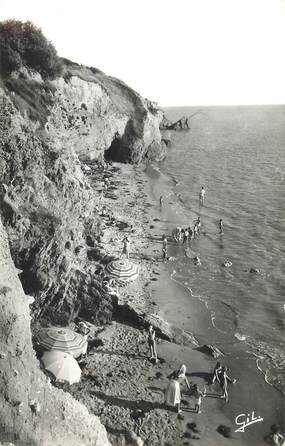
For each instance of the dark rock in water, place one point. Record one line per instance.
(211, 350)
(166, 141)
(151, 227)
(224, 430)
(182, 124)
(254, 270)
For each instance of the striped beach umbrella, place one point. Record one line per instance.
(62, 365)
(122, 270)
(62, 339)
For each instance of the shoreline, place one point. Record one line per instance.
(118, 373)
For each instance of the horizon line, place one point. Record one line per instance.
(225, 105)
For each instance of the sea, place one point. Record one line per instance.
(238, 154)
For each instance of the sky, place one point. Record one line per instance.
(183, 52)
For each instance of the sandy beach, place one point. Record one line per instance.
(118, 378)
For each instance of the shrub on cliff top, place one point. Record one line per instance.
(23, 44)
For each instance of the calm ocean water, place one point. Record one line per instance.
(238, 155)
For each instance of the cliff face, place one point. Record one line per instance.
(32, 411)
(48, 209)
(91, 113)
(50, 214)
(48, 206)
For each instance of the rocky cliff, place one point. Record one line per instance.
(32, 411)
(50, 214)
(89, 112)
(47, 204)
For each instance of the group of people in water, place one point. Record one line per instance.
(185, 235)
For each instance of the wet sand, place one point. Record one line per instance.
(118, 376)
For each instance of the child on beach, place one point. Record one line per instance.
(198, 394)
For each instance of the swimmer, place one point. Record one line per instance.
(176, 234)
(221, 226)
(190, 233)
(185, 236)
(197, 261)
(202, 195)
(164, 248)
(227, 263)
(197, 227)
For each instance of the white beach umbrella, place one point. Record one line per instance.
(122, 270)
(62, 365)
(62, 339)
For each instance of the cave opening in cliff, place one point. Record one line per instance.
(117, 151)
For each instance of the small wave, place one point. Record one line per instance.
(270, 362)
(202, 299)
(240, 336)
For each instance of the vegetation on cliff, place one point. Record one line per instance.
(22, 44)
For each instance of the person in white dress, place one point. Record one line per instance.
(173, 392)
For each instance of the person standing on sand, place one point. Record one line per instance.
(221, 226)
(198, 394)
(151, 343)
(126, 247)
(217, 370)
(202, 195)
(164, 248)
(173, 393)
(224, 379)
(84, 331)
